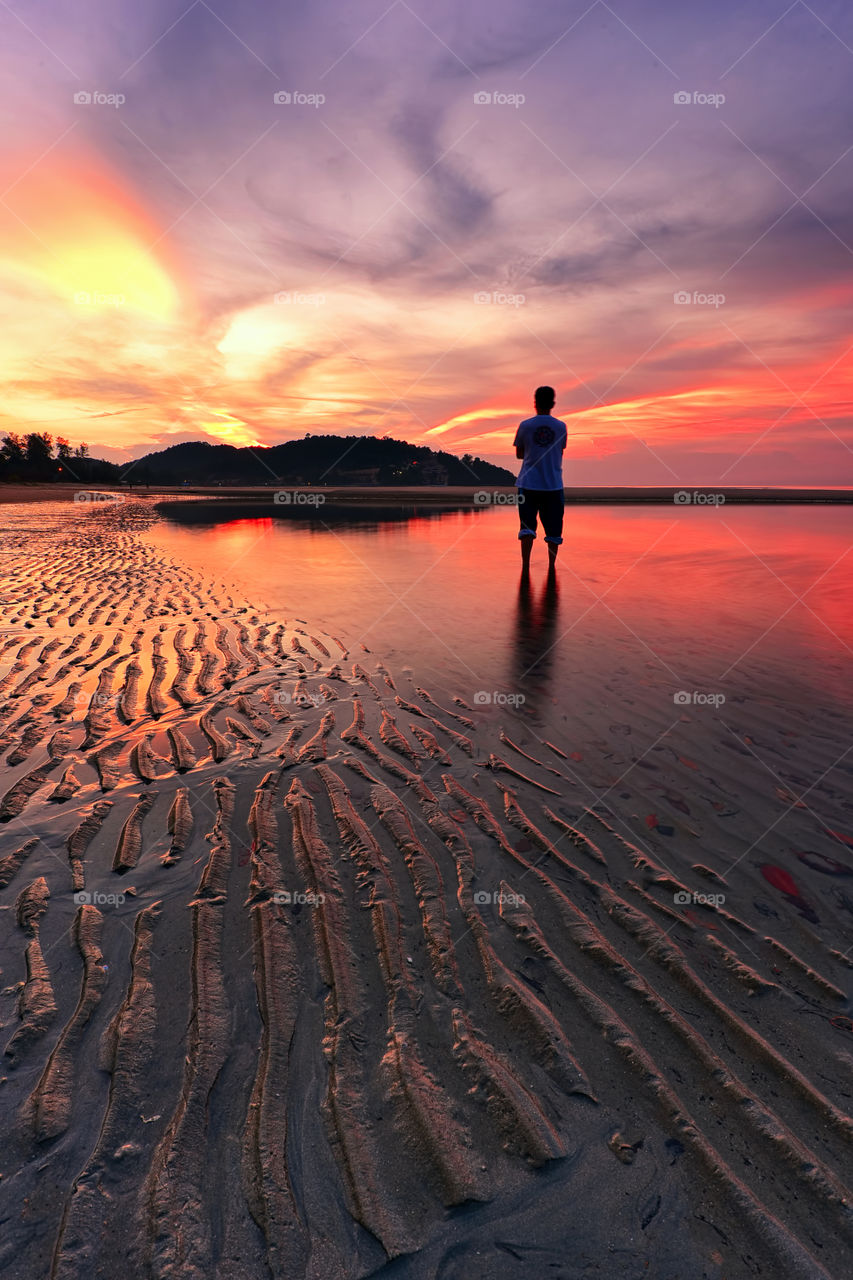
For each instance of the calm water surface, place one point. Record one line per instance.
(741, 601)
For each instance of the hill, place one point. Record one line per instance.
(316, 459)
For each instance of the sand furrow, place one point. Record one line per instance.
(458, 739)
(154, 700)
(106, 762)
(18, 797)
(347, 1122)
(47, 1112)
(220, 747)
(180, 826)
(425, 1119)
(233, 664)
(249, 661)
(205, 682)
(128, 698)
(258, 723)
(315, 747)
(393, 738)
(129, 847)
(527, 1131)
(245, 734)
(11, 864)
(429, 888)
(179, 687)
(175, 1223)
(67, 786)
(430, 744)
(266, 1178)
(183, 755)
(101, 1195)
(30, 739)
(36, 1007)
(82, 836)
(454, 715)
(62, 710)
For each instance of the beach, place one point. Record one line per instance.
(311, 968)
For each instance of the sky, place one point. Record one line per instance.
(247, 221)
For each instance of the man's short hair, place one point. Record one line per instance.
(544, 399)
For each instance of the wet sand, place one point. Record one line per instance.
(311, 971)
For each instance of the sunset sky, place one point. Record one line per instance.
(200, 260)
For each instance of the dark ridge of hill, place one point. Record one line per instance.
(315, 459)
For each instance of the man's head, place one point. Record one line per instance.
(544, 398)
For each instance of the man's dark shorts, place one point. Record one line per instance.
(548, 505)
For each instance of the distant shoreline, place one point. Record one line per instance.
(448, 495)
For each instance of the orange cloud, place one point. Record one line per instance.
(67, 223)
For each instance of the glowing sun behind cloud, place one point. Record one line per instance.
(71, 227)
(227, 428)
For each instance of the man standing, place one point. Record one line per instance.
(539, 442)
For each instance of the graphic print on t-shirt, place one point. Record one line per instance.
(542, 440)
(544, 435)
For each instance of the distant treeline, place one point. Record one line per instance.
(39, 458)
(316, 459)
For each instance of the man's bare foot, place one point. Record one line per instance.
(553, 548)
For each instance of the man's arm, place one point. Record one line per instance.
(519, 445)
(519, 451)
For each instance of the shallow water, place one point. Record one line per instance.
(732, 602)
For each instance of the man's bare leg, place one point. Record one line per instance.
(526, 548)
(553, 548)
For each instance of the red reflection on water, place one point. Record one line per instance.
(237, 536)
(760, 563)
(676, 585)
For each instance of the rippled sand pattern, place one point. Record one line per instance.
(309, 969)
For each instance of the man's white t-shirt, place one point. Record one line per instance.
(543, 439)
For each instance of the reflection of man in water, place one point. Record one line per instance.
(535, 640)
(539, 442)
